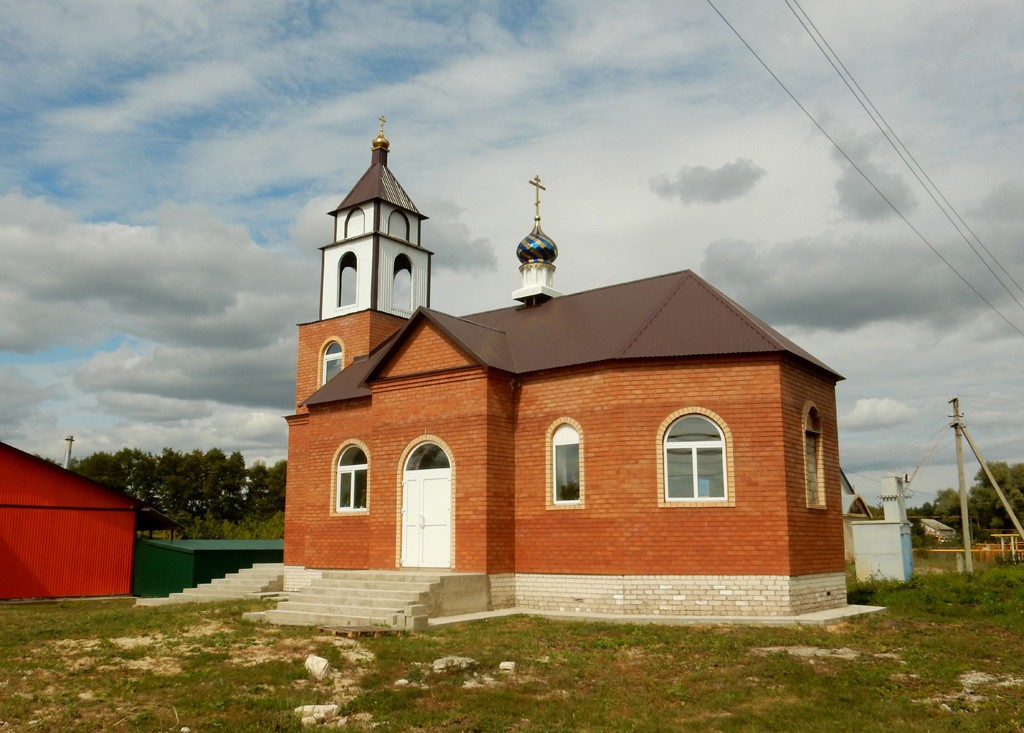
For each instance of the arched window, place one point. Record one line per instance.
(347, 270)
(812, 457)
(401, 290)
(333, 356)
(565, 448)
(695, 467)
(352, 469)
(398, 225)
(426, 457)
(354, 223)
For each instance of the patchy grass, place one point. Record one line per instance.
(945, 657)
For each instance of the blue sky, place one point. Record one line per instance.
(166, 169)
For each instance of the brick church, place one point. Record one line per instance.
(643, 448)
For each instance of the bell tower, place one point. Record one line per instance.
(373, 275)
(376, 261)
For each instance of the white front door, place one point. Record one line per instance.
(427, 518)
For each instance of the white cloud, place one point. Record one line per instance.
(873, 413)
(167, 169)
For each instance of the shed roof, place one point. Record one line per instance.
(52, 491)
(669, 316)
(193, 546)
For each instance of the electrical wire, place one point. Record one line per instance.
(901, 149)
(863, 175)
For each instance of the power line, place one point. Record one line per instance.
(862, 173)
(901, 149)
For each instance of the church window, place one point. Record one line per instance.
(352, 470)
(398, 225)
(694, 459)
(565, 445)
(401, 291)
(347, 271)
(354, 223)
(333, 356)
(812, 458)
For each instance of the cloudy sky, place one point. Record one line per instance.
(166, 168)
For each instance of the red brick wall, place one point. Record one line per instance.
(496, 427)
(425, 350)
(358, 333)
(813, 531)
(622, 529)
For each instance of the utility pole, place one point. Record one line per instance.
(67, 453)
(965, 521)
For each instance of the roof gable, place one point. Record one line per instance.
(425, 348)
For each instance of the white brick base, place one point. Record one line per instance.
(651, 595)
(297, 577)
(677, 595)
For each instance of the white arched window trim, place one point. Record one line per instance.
(565, 465)
(813, 470)
(352, 480)
(694, 460)
(333, 361)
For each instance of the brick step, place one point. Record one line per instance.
(242, 583)
(366, 601)
(411, 595)
(392, 576)
(382, 585)
(304, 618)
(377, 612)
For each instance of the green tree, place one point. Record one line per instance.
(984, 503)
(212, 494)
(947, 503)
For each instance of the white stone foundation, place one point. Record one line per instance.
(680, 595)
(651, 595)
(297, 577)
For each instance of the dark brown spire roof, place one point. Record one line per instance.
(378, 182)
(677, 315)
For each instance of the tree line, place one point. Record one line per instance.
(213, 495)
(982, 502)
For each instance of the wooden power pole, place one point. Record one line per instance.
(957, 426)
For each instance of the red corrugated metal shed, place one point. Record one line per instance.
(62, 534)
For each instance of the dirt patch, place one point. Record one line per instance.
(816, 652)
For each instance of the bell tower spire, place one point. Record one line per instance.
(376, 261)
(537, 253)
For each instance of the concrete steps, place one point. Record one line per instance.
(381, 598)
(255, 582)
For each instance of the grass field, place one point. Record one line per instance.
(945, 657)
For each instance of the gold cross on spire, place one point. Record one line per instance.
(382, 121)
(536, 183)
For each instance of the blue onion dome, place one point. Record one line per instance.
(537, 247)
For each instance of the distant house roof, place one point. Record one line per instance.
(12, 493)
(936, 526)
(669, 316)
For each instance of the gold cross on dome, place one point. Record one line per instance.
(536, 183)
(382, 121)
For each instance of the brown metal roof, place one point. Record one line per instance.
(378, 182)
(670, 316)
